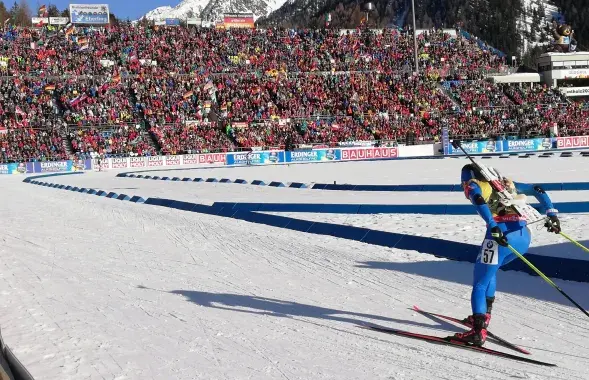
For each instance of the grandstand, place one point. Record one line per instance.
(146, 90)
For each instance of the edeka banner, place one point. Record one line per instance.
(572, 142)
(313, 155)
(255, 158)
(527, 145)
(89, 13)
(349, 154)
(208, 158)
(478, 147)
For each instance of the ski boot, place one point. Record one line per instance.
(469, 321)
(477, 335)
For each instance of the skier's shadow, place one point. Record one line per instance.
(509, 282)
(287, 309)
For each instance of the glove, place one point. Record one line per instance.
(553, 224)
(498, 236)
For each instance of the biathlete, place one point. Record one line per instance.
(504, 226)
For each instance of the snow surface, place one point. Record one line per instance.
(95, 288)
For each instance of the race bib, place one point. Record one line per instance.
(489, 254)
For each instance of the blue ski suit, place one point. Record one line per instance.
(492, 255)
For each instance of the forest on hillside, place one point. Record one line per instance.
(494, 21)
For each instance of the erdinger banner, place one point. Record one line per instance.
(255, 158)
(313, 155)
(13, 168)
(477, 147)
(572, 142)
(208, 158)
(238, 20)
(350, 154)
(527, 145)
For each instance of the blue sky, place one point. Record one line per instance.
(121, 8)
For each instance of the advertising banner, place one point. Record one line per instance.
(527, 145)
(173, 160)
(572, 142)
(137, 162)
(13, 168)
(351, 154)
(194, 21)
(208, 158)
(313, 155)
(89, 13)
(477, 147)
(58, 20)
(238, 20)
(39, 20)
(52, 167)
(172, 22)
(155, 161)
(575, 91)
(255, 158)
(119, 163)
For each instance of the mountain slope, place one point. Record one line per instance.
(214, 9)
(509, 25)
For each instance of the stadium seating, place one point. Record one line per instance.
(142, 90)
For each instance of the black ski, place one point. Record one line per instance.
(499, 340)
(449, 342)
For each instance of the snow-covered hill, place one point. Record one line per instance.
(534, 23)
(213, 9)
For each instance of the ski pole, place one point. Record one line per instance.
(574, 241)
(549, 281)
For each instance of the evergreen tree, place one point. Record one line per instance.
(65, 13)
(52, 10)
(4, 15)
(23, 14)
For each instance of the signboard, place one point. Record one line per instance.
(255, 158)
(40, 20)
(208, 158)
(172, 160)
(160, 22)
(572, 142)
(59, 20)
(477, 147)
(172, 22)
(89, 13)
(527, 145)
(576, 74)
(351, 154)
(313, 155)
(575, 91)
(13, 168)
(238, 20)
(194, 21)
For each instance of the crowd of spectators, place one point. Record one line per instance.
(113, 141)
(27, 144)
(203, 90)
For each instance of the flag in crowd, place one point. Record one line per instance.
(43, 11)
